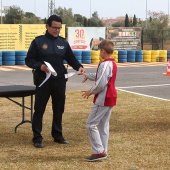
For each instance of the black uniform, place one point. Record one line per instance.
(53, 50)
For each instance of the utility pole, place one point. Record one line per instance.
(90, 13)
(1, 11)
(51, 7)
(35, 7)
(146, 13)
(168, 10)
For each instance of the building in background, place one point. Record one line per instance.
(109, 21)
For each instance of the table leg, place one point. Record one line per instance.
(23, 110)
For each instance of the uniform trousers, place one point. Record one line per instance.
(98, 128)
(56, 89)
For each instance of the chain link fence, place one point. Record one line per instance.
(152, 39)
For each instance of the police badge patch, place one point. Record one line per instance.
(44, 46)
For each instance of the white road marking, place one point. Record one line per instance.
(140, 94)
(144, 86)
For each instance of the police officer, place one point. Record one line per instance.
(53, 49)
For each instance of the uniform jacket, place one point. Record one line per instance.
(104, 88)
(53, 50)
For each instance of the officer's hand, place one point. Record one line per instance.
(81, 70)
(44, 68)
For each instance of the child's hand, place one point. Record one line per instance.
(85, 77)
(86, 94)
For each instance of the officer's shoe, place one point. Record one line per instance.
(61, 141)
(38, 145)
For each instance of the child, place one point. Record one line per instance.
(105, 96)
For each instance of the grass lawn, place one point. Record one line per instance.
(139, 136)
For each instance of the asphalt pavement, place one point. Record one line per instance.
(145, 80)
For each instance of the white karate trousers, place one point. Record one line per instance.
(98, 128)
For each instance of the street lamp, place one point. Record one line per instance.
(1, 11)
(35, 7)
(146, 12)
(168, 10)
(90, 12)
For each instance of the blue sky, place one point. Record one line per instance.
(105, 8)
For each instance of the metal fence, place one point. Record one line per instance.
(152, 39)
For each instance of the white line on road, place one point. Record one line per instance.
(140, 94)
(144, 86)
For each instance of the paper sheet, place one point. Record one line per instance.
(71, 74)
(47, 77)
(50, 68)
(51, 71)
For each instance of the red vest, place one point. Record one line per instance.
(111, 93)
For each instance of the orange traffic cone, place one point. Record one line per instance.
(168, 69)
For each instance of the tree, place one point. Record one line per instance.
(94, 21)
(100, 23)
(89, 22)
(95, 15)
(30, 18)
(150, 19)
(66, 15)
(157, 29)
(44, 20)
(79, 19)
(29, 15)
(14, 15)
(85, 23)
(127, 23)
(118, 24)
(134, 21)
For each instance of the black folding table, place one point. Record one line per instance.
(22, 91)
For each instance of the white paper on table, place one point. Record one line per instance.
(51, 71)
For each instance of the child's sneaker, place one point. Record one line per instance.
(96, 157)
